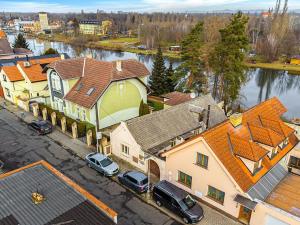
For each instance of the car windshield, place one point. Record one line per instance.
(106, 162)
(189, 201)
(145, 181)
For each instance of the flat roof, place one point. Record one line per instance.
(64, 200)
(286, 195)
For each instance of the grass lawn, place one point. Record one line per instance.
(292, 69)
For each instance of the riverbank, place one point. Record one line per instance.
(292, 69)
(118, 44)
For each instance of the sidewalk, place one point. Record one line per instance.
(67, 142)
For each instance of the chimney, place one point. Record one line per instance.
(236, 119)
(207, 118)
(62, 56)
(119, 65)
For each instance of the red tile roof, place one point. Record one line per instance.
(13, 73)
(35, 71)
(242, 145)
(175, 98)
(97, 75)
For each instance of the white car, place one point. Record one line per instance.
(102, 164)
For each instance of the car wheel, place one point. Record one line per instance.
(158, 203)
(185, 220)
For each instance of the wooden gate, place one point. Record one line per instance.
(154, 168)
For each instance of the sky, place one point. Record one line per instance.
(138, 5)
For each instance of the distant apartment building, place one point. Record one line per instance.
(92, 27)
(44, 21)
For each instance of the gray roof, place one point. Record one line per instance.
(267, 183)
(15, 197)
(154, 129)
(5, 48)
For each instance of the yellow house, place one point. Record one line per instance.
(92, 27)
(12, 82)
(295, 60)
(240, 167)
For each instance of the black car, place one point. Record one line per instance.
(41, 127)
(178, 201)
(135, 180)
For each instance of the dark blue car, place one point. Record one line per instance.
(135, 180)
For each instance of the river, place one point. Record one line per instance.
(261, 84)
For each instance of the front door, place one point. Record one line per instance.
(245, 215)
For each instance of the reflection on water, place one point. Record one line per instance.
(38, 47)
(261, 83)
(264, 84)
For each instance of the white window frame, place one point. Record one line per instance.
(125, 149)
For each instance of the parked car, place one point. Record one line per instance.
(41, 127)
(178, 201)
(102, 164)
(135, 180)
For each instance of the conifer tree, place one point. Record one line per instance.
(20, 42)
(157, 78)
(192, 68)
(227, 60)
(169, 78)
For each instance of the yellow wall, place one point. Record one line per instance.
(295, 61)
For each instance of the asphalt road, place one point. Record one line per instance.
(20, 146)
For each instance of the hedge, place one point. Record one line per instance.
(82, 126)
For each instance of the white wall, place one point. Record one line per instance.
(121, 135)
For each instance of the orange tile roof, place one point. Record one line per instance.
(35, 71)
(13, 73)
(246, 149)
(242, 145)
(2, 34)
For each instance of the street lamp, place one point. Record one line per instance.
(148, 157)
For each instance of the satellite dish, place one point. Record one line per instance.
(193, 95)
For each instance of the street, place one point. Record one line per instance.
(20, 146)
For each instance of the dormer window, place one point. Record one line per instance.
(90, 91)
(283, 144)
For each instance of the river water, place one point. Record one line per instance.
(261, 84)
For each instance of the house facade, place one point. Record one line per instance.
(240, 167)
(25, 79)
(141, 141)
(85, 89)
(12, 82)
(90, 27)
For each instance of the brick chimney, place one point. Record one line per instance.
(119, 65)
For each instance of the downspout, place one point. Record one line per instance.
(97, 128)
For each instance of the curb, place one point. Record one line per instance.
(114, 179)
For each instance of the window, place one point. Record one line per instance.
(184, 179)
(7, 92)
(202, 160)
(78, 112)
(125, 149)
(162, 194)
(294, 162)
(131, 179)
(173, 143)
(83, 115)
(216, 194)
(90, 91)
(4, 78)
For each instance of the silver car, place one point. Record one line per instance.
(102, 164)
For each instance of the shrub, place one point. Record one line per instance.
(156, 105)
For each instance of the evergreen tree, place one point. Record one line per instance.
(227, 60)
(157, 79)
(50, 51)
(20, 42)
(169, 78)
(192, 68)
